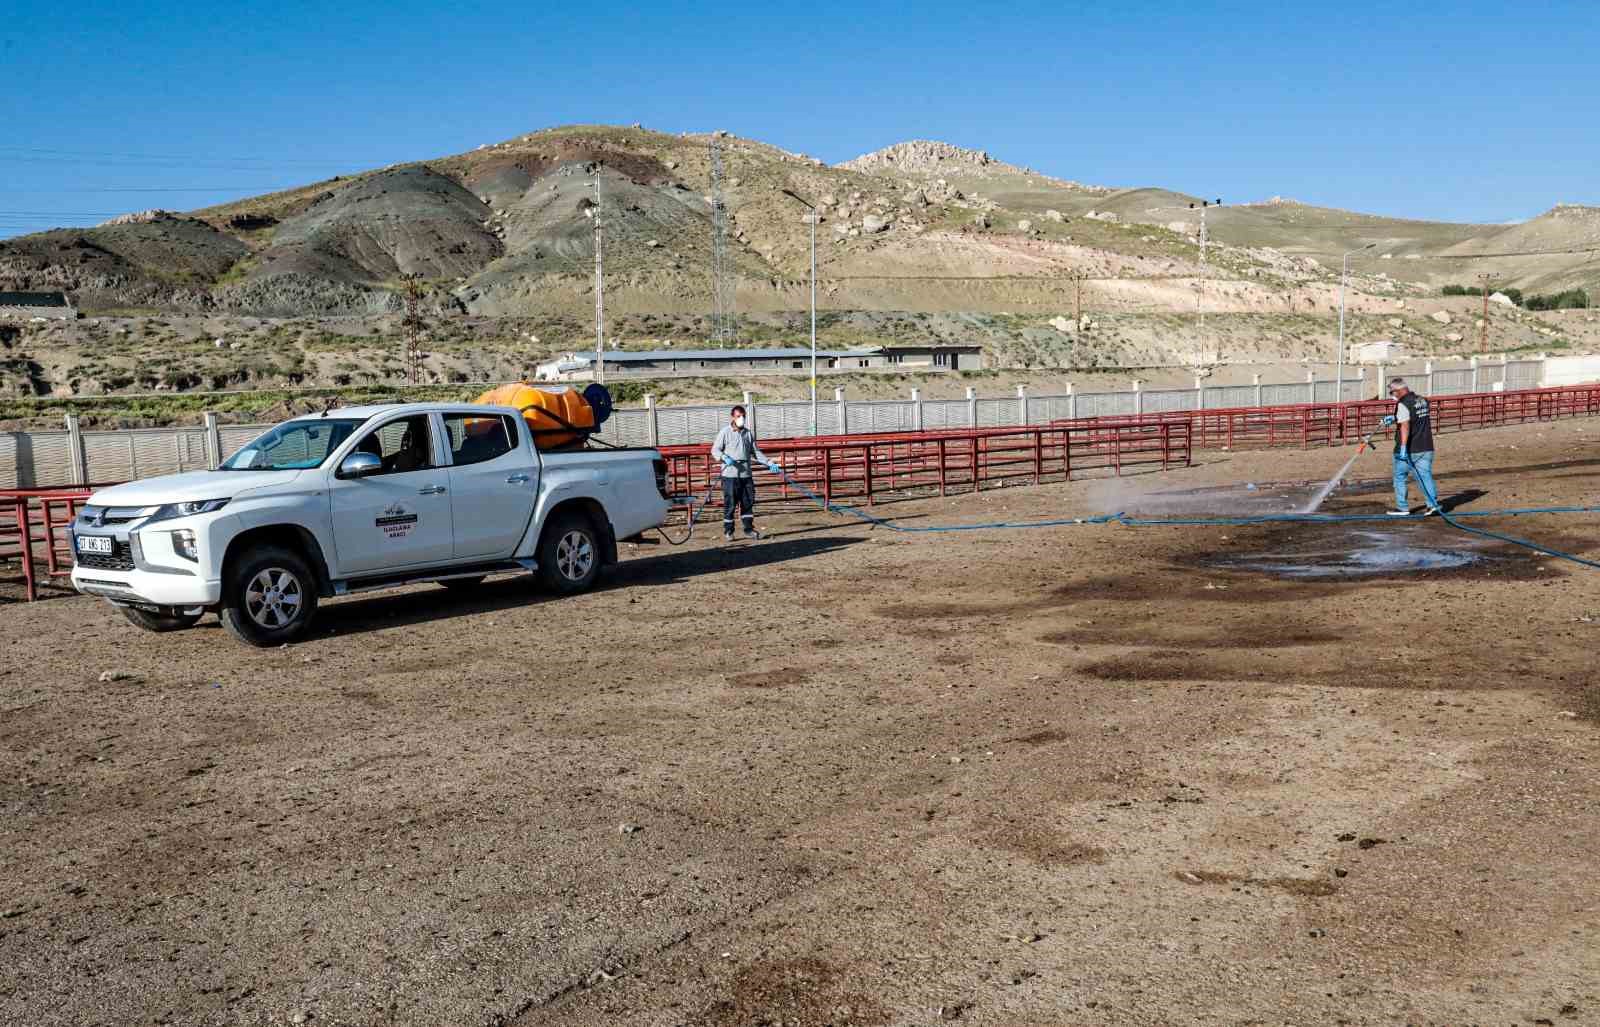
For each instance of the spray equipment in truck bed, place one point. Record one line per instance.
(558, 416)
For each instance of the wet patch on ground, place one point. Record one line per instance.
(801, 991)
(1244, 634)
(1339, 554)
(1045, 847)
(1041, 737)
(1169, 665)
(1365, 553)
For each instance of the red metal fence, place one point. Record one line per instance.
(33, 531)
(952, 460)
(1334, 424)
(863, 467)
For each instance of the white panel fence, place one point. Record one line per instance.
(74, 456)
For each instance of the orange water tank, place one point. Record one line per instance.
(552, 412)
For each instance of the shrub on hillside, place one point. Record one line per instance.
(1569, 300)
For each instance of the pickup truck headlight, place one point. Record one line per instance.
(188, 509)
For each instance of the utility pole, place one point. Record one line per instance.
(1338, 363)
(1483, 332)
(599, 284)
(1199, 288)
(721, 285)
(814, 217)
(412, 323)
(1199, 308)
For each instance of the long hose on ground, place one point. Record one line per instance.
(694, 514)
(1450, 519)
(1289, 518)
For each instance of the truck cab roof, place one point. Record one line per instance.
(386, 409)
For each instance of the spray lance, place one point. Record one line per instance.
(1366, 440)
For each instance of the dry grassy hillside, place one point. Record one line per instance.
(918, 241)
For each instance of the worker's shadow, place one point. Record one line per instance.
(420, 604)
(673, 568)
(1463, 498)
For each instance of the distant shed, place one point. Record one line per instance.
(25, 306)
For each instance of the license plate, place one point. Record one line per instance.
(96, 544)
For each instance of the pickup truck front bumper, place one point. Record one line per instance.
(143, 568)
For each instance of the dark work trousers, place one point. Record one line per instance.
(740, 492)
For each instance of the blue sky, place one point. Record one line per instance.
(1467, 111)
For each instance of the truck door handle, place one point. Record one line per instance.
(517, 479)
(432, 490)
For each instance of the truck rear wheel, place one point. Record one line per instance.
(159, 621)
(569, 554)
(269, 597)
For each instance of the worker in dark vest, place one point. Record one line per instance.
(1413, 448)
(734, 449)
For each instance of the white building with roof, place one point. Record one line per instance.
(777, 360)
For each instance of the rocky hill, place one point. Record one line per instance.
(920, 240)
(506, 230)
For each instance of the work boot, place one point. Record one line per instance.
(1433, 511)
(1398, 513)
(752, 533)
(727, 534)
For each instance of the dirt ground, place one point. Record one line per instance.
(1079, 775)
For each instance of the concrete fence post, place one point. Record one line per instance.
(1362, 375)
(1199, 393)
(1543, 359)
(1256, 381)
(1022, 404)
(80, 469)
(1474, 374)
(916, 409)
(213, 440)
(1383, 380)
(1138, 398)
(1072, 403)
(844, 415)
(750, 413)
(652, 424)
(972, 407)
(1427, 372)
(1311, 385)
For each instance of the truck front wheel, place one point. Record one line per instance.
(569, 554)
(269, 597)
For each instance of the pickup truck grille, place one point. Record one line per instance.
(119, 559)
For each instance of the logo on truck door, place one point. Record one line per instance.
(396, 521)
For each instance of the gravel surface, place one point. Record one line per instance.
(1068, 776)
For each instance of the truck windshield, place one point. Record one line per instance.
(293, 446)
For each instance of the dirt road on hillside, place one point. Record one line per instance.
(1090, 775)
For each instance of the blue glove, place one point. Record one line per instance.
(727, 461)
(772, 465)
(1387, 422)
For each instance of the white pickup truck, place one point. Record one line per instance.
(358, 498)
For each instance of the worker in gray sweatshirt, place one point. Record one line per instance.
(734, 449)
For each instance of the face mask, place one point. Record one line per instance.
(738, 422)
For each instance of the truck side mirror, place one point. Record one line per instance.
(360, 465)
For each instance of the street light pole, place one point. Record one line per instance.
(810, 207)
(1338, 364)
